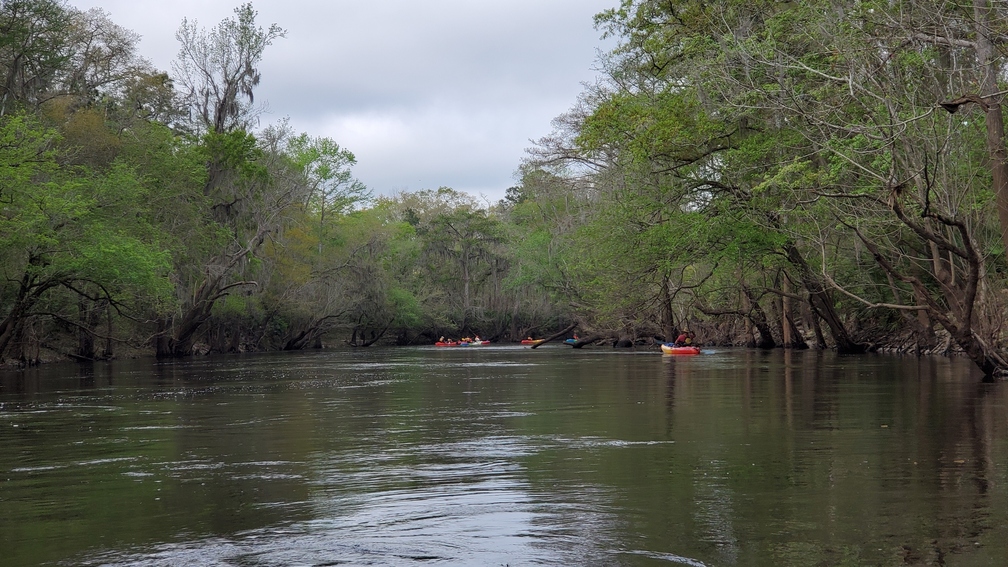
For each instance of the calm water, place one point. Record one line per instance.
(505, 456)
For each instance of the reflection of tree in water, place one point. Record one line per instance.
(826, 460)
(963, 467)
(926, 490)
(670, 398)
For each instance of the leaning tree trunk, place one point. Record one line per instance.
(955, 310)
(11, 326)
(180, 343)
(759, 320)
(790, 334)
(821, 302)
(555, 336)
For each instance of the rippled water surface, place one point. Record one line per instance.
(505, 456)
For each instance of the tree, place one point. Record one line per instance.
(861, 161)
(216, 70)
(101, 59)
(251, 185)
(33, 49)
(460, 250)
(72, 231)
(50, 51)
(332, 188)
(889, 164)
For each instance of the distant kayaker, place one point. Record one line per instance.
(682, 339)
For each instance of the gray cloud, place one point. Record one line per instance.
(432, 93)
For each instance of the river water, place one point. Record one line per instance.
(505, 456)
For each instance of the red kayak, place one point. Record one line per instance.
(532, 341)
(672, 349)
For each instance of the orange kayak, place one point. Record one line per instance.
(671, 349)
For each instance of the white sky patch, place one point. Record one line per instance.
(426, 94)
(429, 148)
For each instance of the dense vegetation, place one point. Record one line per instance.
(767, 173)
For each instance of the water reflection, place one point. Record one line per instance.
(505, 457)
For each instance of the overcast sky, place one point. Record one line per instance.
(426, 93)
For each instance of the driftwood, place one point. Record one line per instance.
(589, 340)
(556, 336)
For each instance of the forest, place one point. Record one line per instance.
(806, 174)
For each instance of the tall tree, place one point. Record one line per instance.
(250, 183)
(332, 188)
(34, 42)
(217, 70)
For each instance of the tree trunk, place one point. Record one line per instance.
(813, 320)
(180, 343)
(162, 339)
(821, 303)
(791, 333)
(88, 315)
(668, 324)
(759, 320)
(26, 344)
(557, 335)
(797, 340)
(303, 338)
(28, 295)
(785, 310)
(107, 352)
(991, 69)
(589, 340)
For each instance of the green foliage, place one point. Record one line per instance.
(736, 149)
(235, 151)
(327, 168)
(74, 229)
(407, 309)
(33, 50)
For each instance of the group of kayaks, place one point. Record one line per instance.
(666, 348)
(461, 343)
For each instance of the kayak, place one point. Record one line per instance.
(672, 349)
(461, 343)
(532, 341)
(570, 341)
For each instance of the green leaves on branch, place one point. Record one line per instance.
(73, 229)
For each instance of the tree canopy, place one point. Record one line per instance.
(824, 174)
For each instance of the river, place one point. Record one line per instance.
(505, 455)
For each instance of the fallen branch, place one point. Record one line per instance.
(556, 336)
